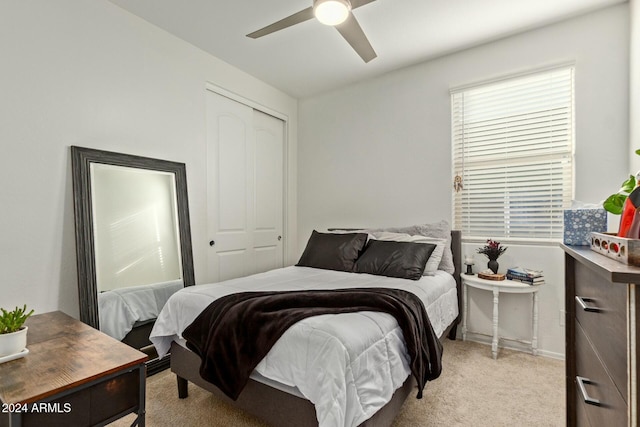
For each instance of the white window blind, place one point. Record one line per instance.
(513, 149)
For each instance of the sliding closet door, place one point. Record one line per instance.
(268, 188)
(245, 189)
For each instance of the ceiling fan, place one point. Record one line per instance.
(336, 13)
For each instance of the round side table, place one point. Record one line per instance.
(498, 286)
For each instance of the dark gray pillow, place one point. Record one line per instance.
(332, 251)
(405, 260)
(438, 230)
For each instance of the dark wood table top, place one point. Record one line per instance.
(63, 353)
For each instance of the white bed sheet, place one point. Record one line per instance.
(120, 309)
(348, 365)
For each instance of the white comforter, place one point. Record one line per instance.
(347, 365)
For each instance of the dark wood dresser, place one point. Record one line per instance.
(74, 375)
(602, 311)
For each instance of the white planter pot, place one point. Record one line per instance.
(14, 342)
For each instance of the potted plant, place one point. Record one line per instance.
(615, 202)
(492, 250)
(13, 333)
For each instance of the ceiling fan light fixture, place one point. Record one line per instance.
(331, 12)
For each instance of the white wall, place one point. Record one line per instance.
(378, 152)
(634, 83)
(87, 73)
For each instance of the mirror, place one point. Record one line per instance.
(133, 240)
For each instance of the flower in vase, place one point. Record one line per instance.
(492, 250)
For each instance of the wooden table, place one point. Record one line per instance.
(74, 375)
(497, 286)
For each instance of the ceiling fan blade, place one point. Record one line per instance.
(296, 18)
(358, 3)
(352, 33)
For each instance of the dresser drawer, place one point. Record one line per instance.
(596, 384)
(114, 396)
(604, 321)
(90, 406)
(581, 413)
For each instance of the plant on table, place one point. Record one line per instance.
(615, 202)
(492, 250)
(12, 321)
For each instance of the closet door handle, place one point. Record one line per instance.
(583, 303)
(212, 242)
(590, 400)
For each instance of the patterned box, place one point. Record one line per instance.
(579, 223)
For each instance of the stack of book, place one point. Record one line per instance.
(525, 275)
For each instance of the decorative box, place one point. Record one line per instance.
(579, 223)
(626, 251)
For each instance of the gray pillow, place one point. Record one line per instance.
(439, 230)
(333, 251)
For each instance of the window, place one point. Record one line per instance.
(512, 153)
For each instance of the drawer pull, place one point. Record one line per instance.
(581, 382)
(585, 307)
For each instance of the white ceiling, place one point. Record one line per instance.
(310, 58)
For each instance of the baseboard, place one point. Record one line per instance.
(512, 345)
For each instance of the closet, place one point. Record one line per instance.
(245, 189)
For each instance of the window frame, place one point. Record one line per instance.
(566, 157)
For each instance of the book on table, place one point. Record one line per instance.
(536, 281)
(525, 275)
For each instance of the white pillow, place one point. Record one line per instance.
(436, 256)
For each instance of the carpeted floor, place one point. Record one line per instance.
(473, 390)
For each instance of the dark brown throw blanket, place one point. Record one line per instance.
(234, 333)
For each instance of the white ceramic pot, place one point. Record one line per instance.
(14, 342)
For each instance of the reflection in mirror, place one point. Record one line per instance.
(133, 241)
(135, 227)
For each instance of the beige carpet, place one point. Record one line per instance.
(473, 390)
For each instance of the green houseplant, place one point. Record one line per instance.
(12, 321)
(13, 333)
(615, 202)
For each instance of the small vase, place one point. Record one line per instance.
(493, 265)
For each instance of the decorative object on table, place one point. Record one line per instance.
(525, 275)
(623, 246)
(13, 333)
(621, 249)
(492, 250)
(630, 219)
(580, 221)
(626, 203)
(469, 262)
(615, 202)
(490, 275)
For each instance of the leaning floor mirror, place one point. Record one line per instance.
(133, 242)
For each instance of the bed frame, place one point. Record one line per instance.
(280, 408)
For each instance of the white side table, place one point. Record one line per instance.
(497, 286)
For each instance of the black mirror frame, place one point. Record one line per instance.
(81, 159)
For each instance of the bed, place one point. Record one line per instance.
(280, 393)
